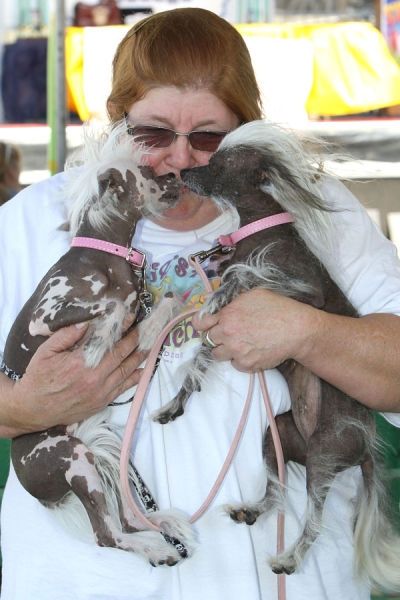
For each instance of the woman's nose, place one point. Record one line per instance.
(180, 153)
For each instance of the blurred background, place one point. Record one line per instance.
(329, 68)
(326, 67)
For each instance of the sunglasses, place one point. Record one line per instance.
(161, 137)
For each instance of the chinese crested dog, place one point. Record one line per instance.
(262, 170)
(109, 193)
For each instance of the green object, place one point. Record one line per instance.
(4, 467)
(390, 437)
(4, 461)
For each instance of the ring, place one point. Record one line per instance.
(207, 341)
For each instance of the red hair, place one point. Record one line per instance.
(186, 48)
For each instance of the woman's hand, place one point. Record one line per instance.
(361, 356)
(259, 330)
(57, 387)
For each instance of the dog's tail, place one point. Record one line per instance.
(377, 544)
(103, 439)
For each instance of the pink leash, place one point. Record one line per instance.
(132, 423)
(280, 533)
(224, 242)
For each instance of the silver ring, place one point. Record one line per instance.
(207, 341)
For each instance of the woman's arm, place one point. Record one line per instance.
(58, 388)
(260, 329)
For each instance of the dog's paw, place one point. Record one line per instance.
(284, 563)
(168, 413)
(242, 514)
(214, 303)
(176, 530)
(158, 551)
(155, 547)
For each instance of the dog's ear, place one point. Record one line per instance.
(147, 172)
(264, 176)
(102, 181)
(110, 179)
(259, 166)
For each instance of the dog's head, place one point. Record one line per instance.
(107, 180)
(259, 157)
(136, 190)
(157, 192)
(231, 174)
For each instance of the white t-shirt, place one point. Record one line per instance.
(180, 461)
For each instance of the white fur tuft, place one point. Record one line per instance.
(377, 544)
(301, 195)
(258, 271)
(111, 147)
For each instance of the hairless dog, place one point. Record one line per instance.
(110, 191)
(262, 170)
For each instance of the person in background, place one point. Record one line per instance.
(10, 170)
(183, 71)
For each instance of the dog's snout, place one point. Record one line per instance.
(184, 173)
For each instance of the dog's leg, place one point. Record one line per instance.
(197, 369)
(294, 448)
(40, 462)
(329, 451)
(222, 296)
(319, 478)
(150, 328)
(104, 332)
(191, 383)
(53, 463)
(105, 316)
(85, 482)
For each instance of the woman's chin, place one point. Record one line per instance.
(191, 212)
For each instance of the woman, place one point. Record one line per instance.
(188, 70)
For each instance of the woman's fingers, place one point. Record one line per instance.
(65, 338)
(62, 389)
(120, 367)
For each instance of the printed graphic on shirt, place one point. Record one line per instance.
(175, 275)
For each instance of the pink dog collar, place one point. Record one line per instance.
(133, 256)
(233, 238)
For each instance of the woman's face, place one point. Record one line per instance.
(183, 111)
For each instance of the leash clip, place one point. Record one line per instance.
(145, 297)
(202, 255)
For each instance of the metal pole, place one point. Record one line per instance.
(271, 10)
(378, 14)
(56, 96)
(61, 108)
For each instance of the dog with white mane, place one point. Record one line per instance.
(262, 170)
(100, 280)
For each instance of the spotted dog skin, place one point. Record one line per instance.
(89, 285)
